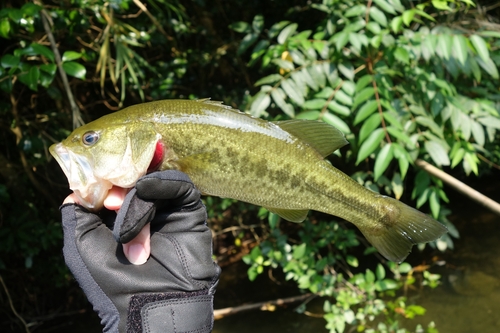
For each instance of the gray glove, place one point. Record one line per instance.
(171, 292)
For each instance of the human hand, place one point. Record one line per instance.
(180, 276)
(137, 251)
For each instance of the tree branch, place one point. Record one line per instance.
(264, 306)
(459, 186)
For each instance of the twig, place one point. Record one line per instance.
(264, 306)
(459, 186)
(75, 111)
(153, 19)
(12, 306)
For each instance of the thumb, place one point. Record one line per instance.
(138, 249)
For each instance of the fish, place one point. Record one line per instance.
(280, 166)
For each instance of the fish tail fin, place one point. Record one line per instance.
(399, 228)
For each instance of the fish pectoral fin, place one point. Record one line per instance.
(289, 214)
(324, 138)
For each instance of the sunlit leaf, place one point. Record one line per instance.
(365, 111)
(371, 143)
(383, 160)
(369, 125)
(460, 49)
(480, 46)
(336, 122)
(43, 50)
(385, 6)
(260, 104)
(287, 32)
(378, 16)
(71, 55)
(437, 152)
(292, 91)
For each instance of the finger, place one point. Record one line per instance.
(72, 198)
(115, 198)
(138, 249)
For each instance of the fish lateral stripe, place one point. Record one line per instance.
(233, 119)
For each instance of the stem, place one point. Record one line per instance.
(221, 313)
(459, 186)
(12, 306)
(77, 118)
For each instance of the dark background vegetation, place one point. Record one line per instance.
(182, 49)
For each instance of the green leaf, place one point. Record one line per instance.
(457, 157)
(338, 108)
(397, 185)
(258, 23)
(270, 79)
(71, 55)
(241, 27)
(299, 251)
(49, 68)
(74, 69)
(481, 47)
(402, 55)
(276, 28)
(336, 122)
(437, 152)
(408, 16)
(368, 127)
(362, 96)
(366, 110)
(460, 49)
(380, 272)
(383, 160)
(33, 76)
(5, 28)
(370, 144)
(352, 261)
(378, 16)
(246, 42)
(292, 91)
(434, 204)
(341, 38)
(43, 50)
(401, 136)
(444, 46)
(478, 133)
(287, 32)
(355, 11)
(260, 104)
(10, 60)
(385, 6)
(397, 24)
(313, 104)
(363, 82)
(343, 98)
(490, 67)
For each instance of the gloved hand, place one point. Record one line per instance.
(171, 292)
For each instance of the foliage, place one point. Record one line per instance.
(400, 78)
(403, 83)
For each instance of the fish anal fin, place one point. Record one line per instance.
(324, 138)
(289, 214)
(394, 237)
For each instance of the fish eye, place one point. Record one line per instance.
(90, 138)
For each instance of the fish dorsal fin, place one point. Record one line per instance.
(290, 215)
(324, 138)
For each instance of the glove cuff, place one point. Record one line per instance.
(171, 312)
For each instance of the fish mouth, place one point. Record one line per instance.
(89, 189)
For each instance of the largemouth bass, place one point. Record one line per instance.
(227, 153)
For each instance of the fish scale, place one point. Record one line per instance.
(227, 153)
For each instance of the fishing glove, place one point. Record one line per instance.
(171, 292)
